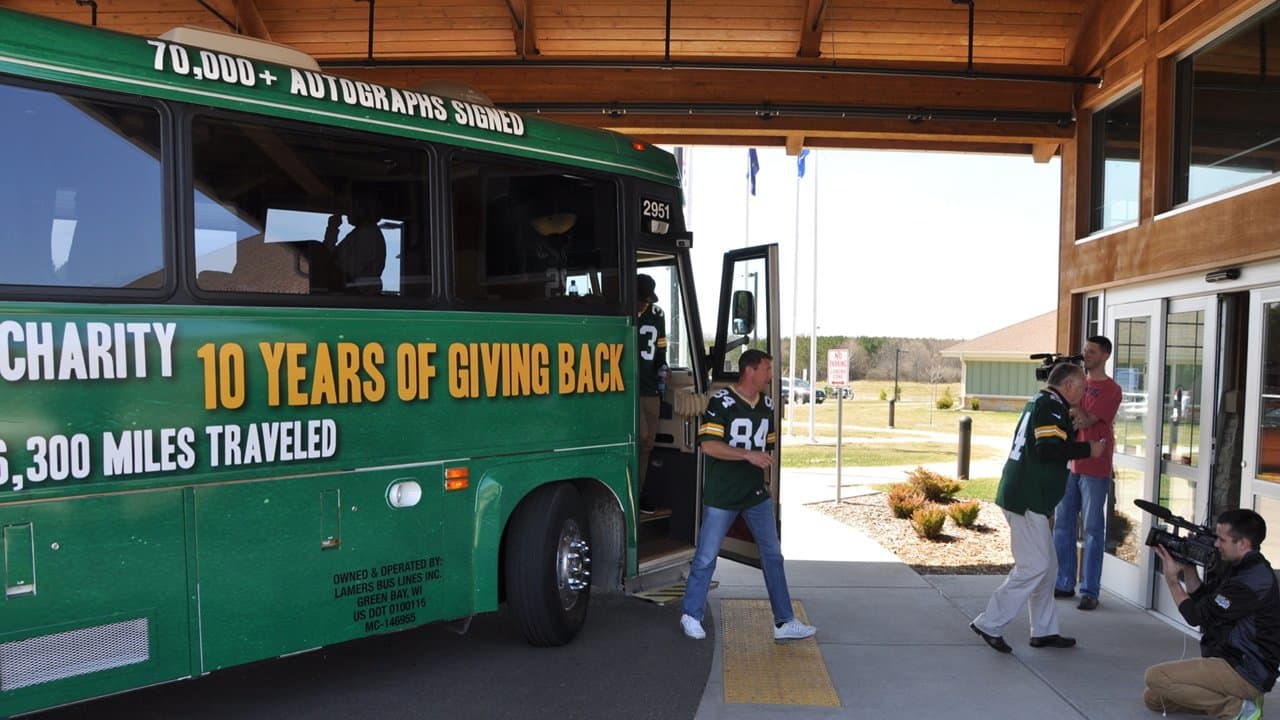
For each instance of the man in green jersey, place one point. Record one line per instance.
(1034, 480)
(737, 436)
(651, 326)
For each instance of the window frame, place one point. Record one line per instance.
(425, 196)
(563, 305)
(1184, 114)
(167, 170)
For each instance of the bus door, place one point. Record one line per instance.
(748, 319)
(668, 509)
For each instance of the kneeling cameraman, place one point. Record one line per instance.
(1237, 608)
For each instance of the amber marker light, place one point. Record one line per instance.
(637, 145)
(457, 478)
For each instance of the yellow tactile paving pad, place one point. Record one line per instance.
(760, 671)
(670, 593)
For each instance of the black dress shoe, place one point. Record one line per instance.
(996, 642)
(1088, 602)
(1063, 593)
(1053, 641)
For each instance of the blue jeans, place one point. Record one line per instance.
(715, 525)
(1087, 496)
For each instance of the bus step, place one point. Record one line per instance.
(658, 514)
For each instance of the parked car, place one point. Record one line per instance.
(804, 393)
(1133, 406)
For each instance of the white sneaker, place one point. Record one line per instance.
(793, 629)
(692, 627)
(1250, 710)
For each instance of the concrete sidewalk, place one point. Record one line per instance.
(897, 644)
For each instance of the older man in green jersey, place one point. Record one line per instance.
(1034, 480)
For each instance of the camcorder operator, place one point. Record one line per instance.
(1236, 607)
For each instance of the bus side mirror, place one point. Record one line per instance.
(744, 312)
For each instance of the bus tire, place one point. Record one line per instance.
(548, 565)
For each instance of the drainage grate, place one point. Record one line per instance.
(76, 652)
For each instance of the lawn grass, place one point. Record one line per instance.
(916, 410)
(973, 489)
(915, 439)
(868, 454)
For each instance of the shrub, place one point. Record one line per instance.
(933, 486)
(964, 514)
(1118, 527)
(884, 394)
(946, 402)
(904, 500)
(974, 404)
(927, 521)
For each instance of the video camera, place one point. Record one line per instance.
(1196, 548)
(1051, 359)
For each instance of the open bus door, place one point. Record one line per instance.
(748, 319)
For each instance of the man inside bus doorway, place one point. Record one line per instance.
(1089, 480)
(651, 326)
(737, 435)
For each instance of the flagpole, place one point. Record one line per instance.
(813, 337)
(746, 233)
(795, 290)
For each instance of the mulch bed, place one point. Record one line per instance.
(982, 549)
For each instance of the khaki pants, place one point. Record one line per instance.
(1209, 686)
(1030, 582)
(648, 426)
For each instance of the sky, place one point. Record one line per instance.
(909, 244)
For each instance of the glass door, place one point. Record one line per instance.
(1186, 423)
(1136, 331)
(1260, 477)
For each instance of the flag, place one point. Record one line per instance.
(800, 161)
(753, 167)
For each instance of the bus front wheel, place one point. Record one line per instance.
(548, 565)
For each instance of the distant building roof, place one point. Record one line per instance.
(1039, 334)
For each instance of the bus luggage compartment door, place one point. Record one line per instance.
(294, 564)
(95, 598)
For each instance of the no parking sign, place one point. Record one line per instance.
(838, 366)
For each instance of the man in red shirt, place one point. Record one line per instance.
(1089, 480)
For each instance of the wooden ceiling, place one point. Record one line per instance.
(835, 73)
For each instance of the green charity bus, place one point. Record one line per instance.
(289, 359)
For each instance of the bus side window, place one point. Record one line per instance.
(82, 194)
(533, 237)
(296, 213)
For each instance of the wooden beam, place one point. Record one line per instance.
(829, 133)
(524, 27)
(1099, 27)
(815, 13)
(250, 21)
(1044, 152)
(530, 84)
(795, 143)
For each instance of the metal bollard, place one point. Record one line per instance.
(962, 461)
(891, 402)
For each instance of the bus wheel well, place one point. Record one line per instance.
(608, 537)
(547, 564)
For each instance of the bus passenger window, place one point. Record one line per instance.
(80, 192)
(534, 238)
(283, 211)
